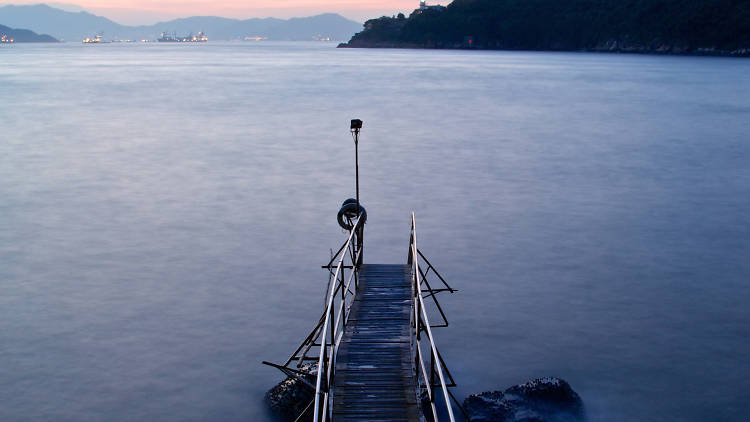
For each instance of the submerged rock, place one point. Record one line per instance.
(290, 397)
(546, 399)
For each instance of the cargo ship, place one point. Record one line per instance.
(165, 37)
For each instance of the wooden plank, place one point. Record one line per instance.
(375, 379)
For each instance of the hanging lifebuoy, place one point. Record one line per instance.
(348, 212)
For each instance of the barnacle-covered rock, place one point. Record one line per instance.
(547, 399)
(290, 397)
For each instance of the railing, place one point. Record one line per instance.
(431, 372)
(327, 333)
(338, 306)
(438, 375)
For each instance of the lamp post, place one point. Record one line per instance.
(355, 127)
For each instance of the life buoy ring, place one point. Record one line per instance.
(348, 211)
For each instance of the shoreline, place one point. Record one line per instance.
(661, 51)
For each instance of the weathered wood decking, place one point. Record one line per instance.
(375, 379)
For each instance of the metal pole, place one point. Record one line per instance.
(360, 229)
(355, 127)
(356, 163)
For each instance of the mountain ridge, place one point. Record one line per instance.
(74, 26)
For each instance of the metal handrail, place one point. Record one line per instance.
(330, 335)
(329, 331)
(421, 323)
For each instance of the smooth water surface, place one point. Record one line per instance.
(165, 209)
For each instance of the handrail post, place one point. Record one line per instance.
(329, 329)
(424, 320)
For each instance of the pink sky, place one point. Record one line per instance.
(134, 12)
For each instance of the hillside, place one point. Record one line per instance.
(69, 26)
(74, 26)
(22, 35)
(646, 26)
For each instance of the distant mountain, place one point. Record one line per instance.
(330, 25)
(23, 35)
(74, 26)
(68, 7)
(68, 26)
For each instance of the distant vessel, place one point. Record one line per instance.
(165, 37)
(201, 37)
(96, 40)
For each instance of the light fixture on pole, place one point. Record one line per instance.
(355, 127)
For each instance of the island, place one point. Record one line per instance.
(10, 35)
(717, 27)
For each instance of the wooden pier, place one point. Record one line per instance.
(376, 356)
(377, 360)
(375, 377)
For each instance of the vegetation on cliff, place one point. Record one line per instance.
(665, 26)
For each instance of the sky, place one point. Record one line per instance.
(146, 12)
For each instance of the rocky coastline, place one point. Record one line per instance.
(547, 399)
(610, 46)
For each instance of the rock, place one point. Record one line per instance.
(546, 399)
(488, 406)
(290, 397)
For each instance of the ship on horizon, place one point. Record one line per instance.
(96, 40)
(166, 37)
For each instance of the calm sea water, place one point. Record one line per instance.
(165, 209)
